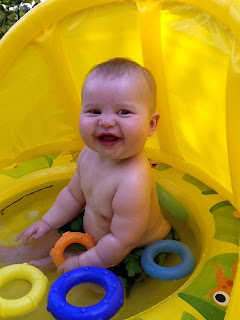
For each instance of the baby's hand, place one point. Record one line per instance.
(38, 229)
(69, 264)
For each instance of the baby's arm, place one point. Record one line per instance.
(68, 204)
(131, 206)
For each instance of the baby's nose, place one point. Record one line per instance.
(107, 121)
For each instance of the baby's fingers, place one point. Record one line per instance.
(60, 270)
(25, 234)
(19, 236)
(41, 229)
(69, 264)
(40, 232)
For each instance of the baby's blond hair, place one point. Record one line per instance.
(117, 67)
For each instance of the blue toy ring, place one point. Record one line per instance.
(167, 273)
(104, 310)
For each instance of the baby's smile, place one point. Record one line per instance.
(108, 139)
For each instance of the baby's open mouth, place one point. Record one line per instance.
(108, 138)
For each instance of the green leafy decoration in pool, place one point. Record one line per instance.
(219, 205)
(133, 267)
(200, 293)
(208, 311)
(188, 316)
(206, 190)
(226, 224)
(75, 156)
(159, 166)
(163, 166)
(76, 225)
(29, 166)
(170, 203)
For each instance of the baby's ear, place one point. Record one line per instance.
(153, 123)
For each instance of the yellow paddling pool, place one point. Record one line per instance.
(193, 50)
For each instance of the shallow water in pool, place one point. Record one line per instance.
(23, 209)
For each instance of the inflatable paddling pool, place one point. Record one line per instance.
(193, 50)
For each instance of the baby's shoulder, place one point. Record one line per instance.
(83, 153)
(135, 183)
(137, 170)
(84, 156)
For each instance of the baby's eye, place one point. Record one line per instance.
(123, 112)
(94, 111)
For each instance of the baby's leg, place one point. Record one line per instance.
(35, 249)
(47, 265)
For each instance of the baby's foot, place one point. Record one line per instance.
(8, 255)
(6, 251)
(45, 265)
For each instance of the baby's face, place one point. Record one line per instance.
(115, 118)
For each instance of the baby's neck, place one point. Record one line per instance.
(117, 162)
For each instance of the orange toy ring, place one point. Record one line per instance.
(68, 238)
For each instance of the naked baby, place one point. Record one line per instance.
(113, 179)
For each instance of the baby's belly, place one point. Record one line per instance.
(97, 226)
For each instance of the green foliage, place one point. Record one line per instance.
(11, 11)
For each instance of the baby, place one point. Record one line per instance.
(113, 180)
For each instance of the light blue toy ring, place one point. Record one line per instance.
(103, 310)
(167, 273)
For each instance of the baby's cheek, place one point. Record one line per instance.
(86, 131)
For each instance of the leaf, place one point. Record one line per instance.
(13, 16)
(29, 1)
(2, 16)
(13, 10)
(10, 23)
(3, 29)
(21, 13)
(24, 8)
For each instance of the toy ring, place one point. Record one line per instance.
(104, 310)
(167, 273)
(67, 239)
(17, 307)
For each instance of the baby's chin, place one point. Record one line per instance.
(116, 152)
(123, 157)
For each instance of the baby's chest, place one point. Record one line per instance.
(98, 189)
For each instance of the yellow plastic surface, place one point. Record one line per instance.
(193, 50)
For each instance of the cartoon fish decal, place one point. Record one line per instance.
(210, 292)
